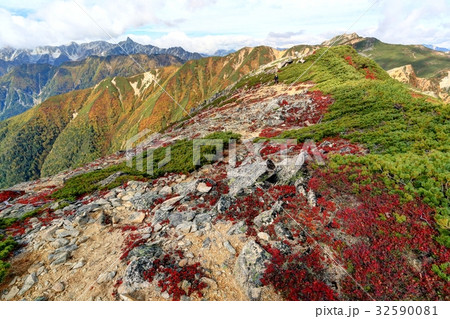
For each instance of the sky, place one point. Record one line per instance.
(208, 25)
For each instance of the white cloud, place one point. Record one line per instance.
(59, 22)
(205, 26)
(414, 22)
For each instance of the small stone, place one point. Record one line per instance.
(203, 187)
(35, 267)
(183, 262)
(312, 198)
(30, 281)
(82, 239)
(206, 243)
(187, 243)
(230, 248)
(264, 236)
(283, 232)
(255, 293)
(11, 294)
(166, 190)
(83, 219)
(40, 271)
(13, 282)
(106, 277)
(212, 284)
(60, 258)
(224, 203)
(189, 255)
(165, 295)
(184, 227)
(67, 233)
(167, 205)
(136, 218)
(79, 264)
(41, 298)
(157, 227)
(185, 285)
(115, 220)
(126, 297)
(189, 216)
(60, 242)
(127, 197)
(59, 287)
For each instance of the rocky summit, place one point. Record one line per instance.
(328, 184)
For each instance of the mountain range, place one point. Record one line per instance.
(28, 77)
(57, 55)
(31, 76)
(436, 48)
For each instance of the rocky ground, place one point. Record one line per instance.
(96, 247)
(208, 235)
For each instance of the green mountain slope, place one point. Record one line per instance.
(426, 62)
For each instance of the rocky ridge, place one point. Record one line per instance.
(96, 247)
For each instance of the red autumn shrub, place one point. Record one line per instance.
(369, 74)
(349, 60)
(37, 199)
(284, 103)
(394, 250)
(269, 132)
(10, 195)
(291, 276)
(173, 277)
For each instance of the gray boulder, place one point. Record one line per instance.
(30, 281)
(144, 201)
(246, 175)
(267, 217)
(289, 167)
(250, 267)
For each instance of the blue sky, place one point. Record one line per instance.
(205, 26)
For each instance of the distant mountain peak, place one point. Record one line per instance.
(223, 52)
(436, 48)
(346, 38)
(57, 55)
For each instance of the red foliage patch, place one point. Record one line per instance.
(10, 195)
(132, 240)
(296, 277)
(269, 132)
(396, 250)
(37, 199)
(369, 74)
(173, 277)
(386, 245)
(349, 60)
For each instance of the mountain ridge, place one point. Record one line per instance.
(57, 55)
